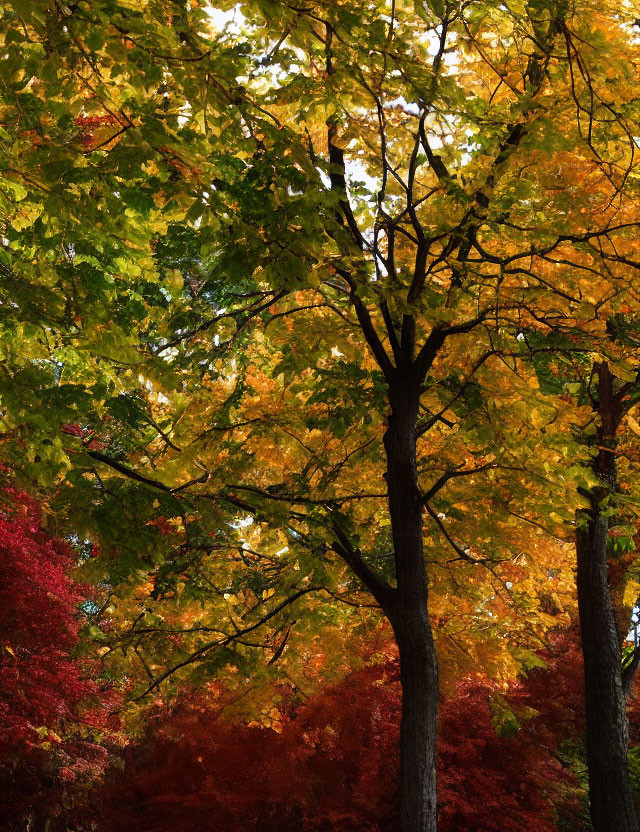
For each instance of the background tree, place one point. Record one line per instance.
(54, 716)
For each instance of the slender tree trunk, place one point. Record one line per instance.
(410, 616)
(611, 796)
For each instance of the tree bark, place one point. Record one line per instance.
(611, 797)
(409, 615)
(418, 730)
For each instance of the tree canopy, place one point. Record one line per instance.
(307, 317)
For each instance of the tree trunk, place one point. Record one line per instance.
(39, 823)
(419, 678)
(410, 616)
(611, 797)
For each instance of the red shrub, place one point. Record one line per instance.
(334, 766)
(41, 684)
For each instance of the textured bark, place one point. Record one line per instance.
(611, 796)
(419, 677)
(410, 616)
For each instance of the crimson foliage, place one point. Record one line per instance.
(333, 766)
(41, 684)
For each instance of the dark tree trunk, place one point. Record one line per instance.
(409, 616)
(611, 796)
(419, 678)
(39, 823)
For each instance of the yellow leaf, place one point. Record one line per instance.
(631, 593)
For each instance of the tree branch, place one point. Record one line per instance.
(382, 591)
(202, 651)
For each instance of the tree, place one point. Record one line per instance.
(471, 124)
(605, 697)
(51, 709)
(598, 366)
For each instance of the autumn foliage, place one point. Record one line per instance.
(333, 765)
(45, 693)
(319, 318)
